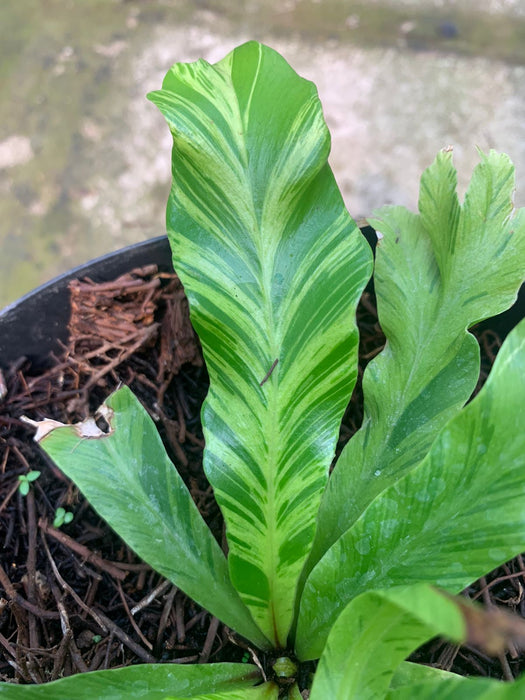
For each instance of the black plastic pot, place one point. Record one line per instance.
(33, 326)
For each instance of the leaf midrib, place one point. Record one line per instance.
(266, 255)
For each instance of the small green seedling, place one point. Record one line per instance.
(25, 481)
(62, 517)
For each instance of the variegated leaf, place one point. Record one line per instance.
(129, 479)
(273, 267)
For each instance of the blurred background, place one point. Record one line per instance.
(85, 159)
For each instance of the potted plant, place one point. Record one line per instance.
(319, 566)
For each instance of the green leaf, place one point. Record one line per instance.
(436, 274)
(457, 515)
(60, 517)
(128, 478)
(25, 480)
(375, 633)
(24, 487)
(294, 693)
(379, 629)
(267, 691)
(147, 681)
(409, 673)
(460, 688)
(273, 267)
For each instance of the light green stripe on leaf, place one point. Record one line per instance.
(461, 511)
(273, 267)
(436, 274)
(129, 479)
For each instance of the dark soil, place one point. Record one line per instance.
(76, 598)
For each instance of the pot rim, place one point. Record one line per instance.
(33, 325)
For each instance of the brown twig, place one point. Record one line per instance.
(269, 372)
(166, 610)
(210, 638)
(67, 632)
(77, 657)
(124, 638)
(31, 566)
(82, 550)
(17, 599)
(68, 588)
(7, 646)
(124, 566)
(10, 494)
(179, 620)
(60, 657)
(137, 629)
(158, 590)
(487, 586)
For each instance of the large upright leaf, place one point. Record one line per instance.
(436, 274)
(458, 514)
(128, 478)
(273, 267)
(142, 682)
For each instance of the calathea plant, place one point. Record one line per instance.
(429, 492)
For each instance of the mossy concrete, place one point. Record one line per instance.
(84, 158)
